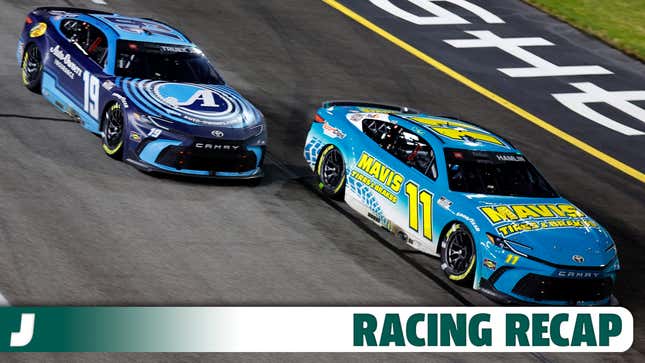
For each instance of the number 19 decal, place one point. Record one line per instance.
(91, 94)
(416, 198)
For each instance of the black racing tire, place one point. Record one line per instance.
(458, 255)
(330, 172)
(32, 68)
(112, 131)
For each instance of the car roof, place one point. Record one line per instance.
(450, 131)
(142, 29)
(460, 134)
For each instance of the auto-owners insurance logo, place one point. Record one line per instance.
(192, 99)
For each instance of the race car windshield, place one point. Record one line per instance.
(494, 173)
(173, 63)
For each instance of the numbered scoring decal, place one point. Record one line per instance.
(91, 89)
(418, 200)
(154, 132)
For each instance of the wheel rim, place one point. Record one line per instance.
(32, 64)
(459, 252)
(333, 170)
(113, 126)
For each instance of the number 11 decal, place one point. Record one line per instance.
(414, 199)
(91, 94)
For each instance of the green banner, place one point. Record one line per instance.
(315, 329)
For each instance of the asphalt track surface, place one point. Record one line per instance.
(77, 228)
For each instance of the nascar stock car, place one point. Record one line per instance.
(452, 189)
(146, 89)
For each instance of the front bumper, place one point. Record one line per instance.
(508, 277)
(221, 159)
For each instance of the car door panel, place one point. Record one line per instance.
(391, 193)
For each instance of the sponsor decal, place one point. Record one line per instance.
(38, 30)
(332, 132)
(374, 186)
(380, 171)
(516, 212)
(358, 117)
(200, 100)
(547, 224)
(135, 136)
(470, 220)
(528, 217)
(378, 176)
(108, 85)
(355, 117)
(490, 264)
(213, 105)
(444, 203)
(208, 146)
(375, 110)
(578, 274)
(64, 62)
(169, 49)
(123, 100)
(374, 217)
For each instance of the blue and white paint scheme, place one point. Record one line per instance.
(208, 105)
(199, 129)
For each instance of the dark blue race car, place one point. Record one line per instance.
(146, 89)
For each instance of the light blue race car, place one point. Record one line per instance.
(452, 189)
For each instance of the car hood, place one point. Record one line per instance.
(209, 105)
(550, 229)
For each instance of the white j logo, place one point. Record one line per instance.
(23, 337)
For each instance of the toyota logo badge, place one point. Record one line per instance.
(578, 259)
(217, 133)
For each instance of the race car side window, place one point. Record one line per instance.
(87, 38)
(405, 145)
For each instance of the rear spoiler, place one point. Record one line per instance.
(71, 10)
(341, 103)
